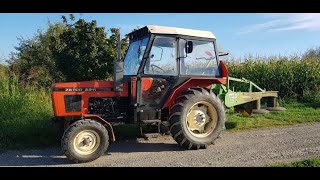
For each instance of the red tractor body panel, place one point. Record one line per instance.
(85, 89)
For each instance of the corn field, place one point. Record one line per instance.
(293, 77)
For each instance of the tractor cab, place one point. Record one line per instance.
(160, 59)
(170, 54)
(166, 51)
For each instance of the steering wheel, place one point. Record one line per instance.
(152, 65)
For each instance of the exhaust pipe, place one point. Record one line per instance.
(118, 69)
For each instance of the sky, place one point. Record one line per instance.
(242, 34)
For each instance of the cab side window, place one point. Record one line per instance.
(201, 61)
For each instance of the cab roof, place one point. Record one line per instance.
(154, 29)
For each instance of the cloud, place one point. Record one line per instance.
(285, 22)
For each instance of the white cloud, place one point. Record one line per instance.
(285, 22)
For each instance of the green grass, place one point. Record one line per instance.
(304, 163)
(295, 113)
(25, 114)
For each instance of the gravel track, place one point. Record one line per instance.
(259, 147)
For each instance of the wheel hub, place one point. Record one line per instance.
(201, 119)
(86, 142)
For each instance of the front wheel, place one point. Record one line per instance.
(84, 141)
(197, 118)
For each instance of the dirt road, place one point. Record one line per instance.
(259, 147)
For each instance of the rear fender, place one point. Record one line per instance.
(190, 83)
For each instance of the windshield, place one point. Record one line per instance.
(134, 56)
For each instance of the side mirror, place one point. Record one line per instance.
(189, 47)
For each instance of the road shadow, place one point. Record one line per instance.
(55, 157)
(135, 146)
(34, 158)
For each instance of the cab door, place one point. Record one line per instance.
(159, 73)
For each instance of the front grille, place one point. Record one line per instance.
(73, 103)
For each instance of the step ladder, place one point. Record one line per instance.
(156, 122)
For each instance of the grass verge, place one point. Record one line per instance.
(304, 163)
(25, 114)
(25, 121)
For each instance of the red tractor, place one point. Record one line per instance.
(167, 74)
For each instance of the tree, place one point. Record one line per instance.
(33, 62)
(66, 51)
(84, 52)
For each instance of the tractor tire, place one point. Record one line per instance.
(165, 130)
(225, 109)
(197, 118)
(85, 141)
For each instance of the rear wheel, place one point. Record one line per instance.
(84, 141)
(197, 118)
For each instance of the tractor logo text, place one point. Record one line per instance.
(80, 89)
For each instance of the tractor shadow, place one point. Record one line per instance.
(135, 146)
(55, 157)
(46, 157)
